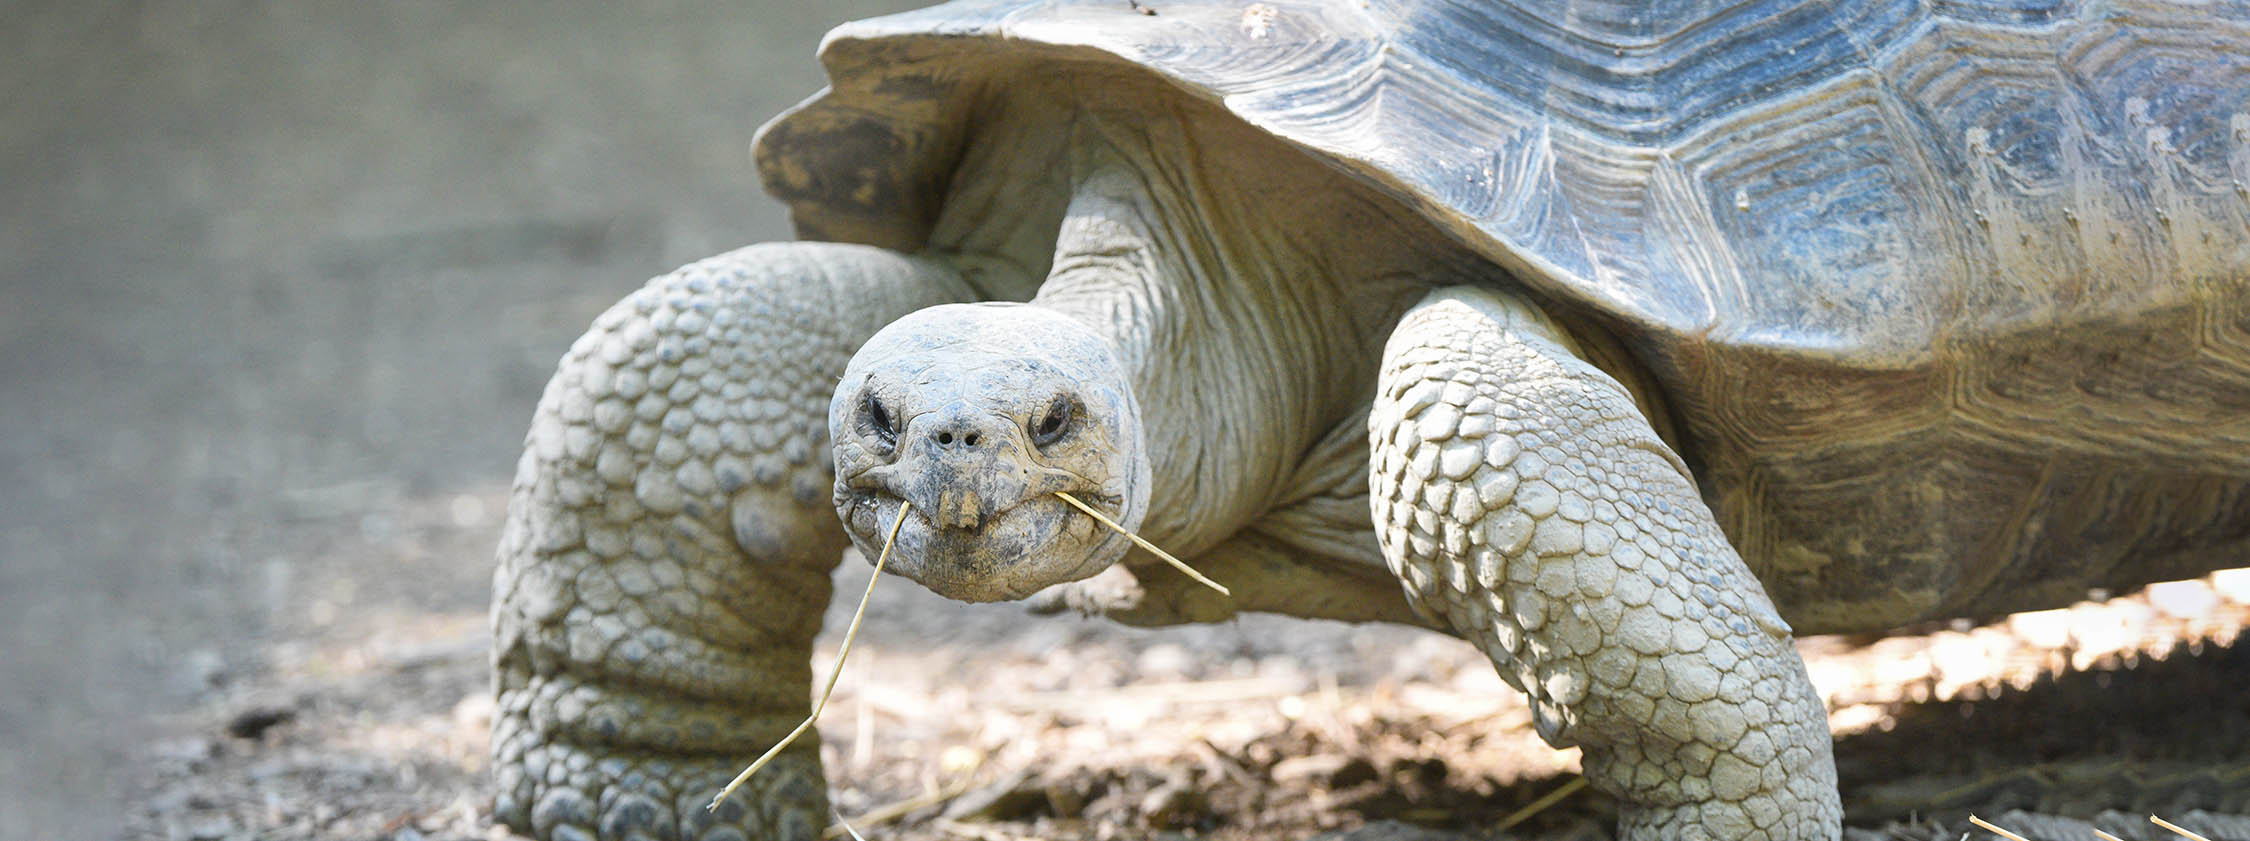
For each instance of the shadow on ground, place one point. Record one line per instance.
(2161, 737)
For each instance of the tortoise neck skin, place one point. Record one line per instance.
(1244, 304)
(1230, 333)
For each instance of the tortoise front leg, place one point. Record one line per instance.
(1526, 502)
(666, 558)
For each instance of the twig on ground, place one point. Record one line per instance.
(1228, 765)
(893, 811)
(1540, 805)
(978, 833)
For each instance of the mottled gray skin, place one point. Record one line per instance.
(666, 558)
(1523, 497)
(979, 414)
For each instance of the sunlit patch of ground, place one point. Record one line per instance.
(1860, 680)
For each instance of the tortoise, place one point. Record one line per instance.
(1623, 339)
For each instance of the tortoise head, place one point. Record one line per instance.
(977, 414)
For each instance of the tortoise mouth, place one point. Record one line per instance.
(1009, 554)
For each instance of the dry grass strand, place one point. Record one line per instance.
(1996, 830)
(891, 812)
(2175, 828)
(1542, 804)
(1151, 547)
(842, 651)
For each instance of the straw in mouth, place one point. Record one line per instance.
(1137, 541)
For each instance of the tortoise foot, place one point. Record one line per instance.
(562, 792)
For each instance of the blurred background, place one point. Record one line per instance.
(275, 273)
(283, 282)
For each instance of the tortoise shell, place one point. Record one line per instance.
(1950, 298)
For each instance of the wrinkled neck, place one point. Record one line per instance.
(1230, 360)
(1113, 271)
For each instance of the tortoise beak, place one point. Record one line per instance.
(961, 466)
(971, 481)
(958, 508)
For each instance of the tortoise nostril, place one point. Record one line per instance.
(950, 437)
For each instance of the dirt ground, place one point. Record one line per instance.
(284, 280)
(983, 723)
(978, 723)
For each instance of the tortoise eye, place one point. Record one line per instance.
(1053, 424)
(879, 419)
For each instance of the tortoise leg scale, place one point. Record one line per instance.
(1524, 500)
(665, 562)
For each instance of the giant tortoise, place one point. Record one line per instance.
(1622, 338)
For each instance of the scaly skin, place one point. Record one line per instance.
(666, 558)
(1526, 502)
